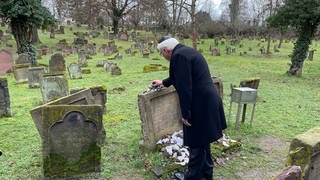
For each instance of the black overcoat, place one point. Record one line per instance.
(199, 100)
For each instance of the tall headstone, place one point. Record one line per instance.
(34, 76)
(71, 136)
(53, 86)
(57, 64)
(6, 62)
(5, 110)
(74, 71)
(82, 58)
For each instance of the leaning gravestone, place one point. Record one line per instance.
(57, 64)
(305, 152)
(72, 136)
(34, 76)
(5, 62)
(53, 86)
(5, 110)
(74, 71)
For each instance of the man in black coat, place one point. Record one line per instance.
(201, 107)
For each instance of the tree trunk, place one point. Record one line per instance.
(194, 31)
(21, 33)
(34, 35)
(269, 42)
(301, 48)
(115, 25)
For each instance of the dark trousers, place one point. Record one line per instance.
(200, 164)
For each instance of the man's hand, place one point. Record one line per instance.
(156, 83)
(186, 122)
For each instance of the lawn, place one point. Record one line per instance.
(286, 106)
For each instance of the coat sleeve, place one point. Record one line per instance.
(167, 82)
(183, 78)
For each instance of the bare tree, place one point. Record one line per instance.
(118, 9)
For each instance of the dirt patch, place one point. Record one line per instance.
(274, 149)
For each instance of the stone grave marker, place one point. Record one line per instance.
(108, 66)
(20, 72)
(57, 64)
(71, 136)
(34, 76)
(1, 33)
(74, 71)
(82, 58)
(23, 59)
(115, 70)
(53, 86)
(160, 112)
(5, 110)
(160, 115)
(304, 152)
(311, 54)
(5, 62)
(123, 36)
(101, 63)
(215, 52)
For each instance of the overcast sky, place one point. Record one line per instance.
(210, 6)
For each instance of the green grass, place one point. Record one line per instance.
(286, 106)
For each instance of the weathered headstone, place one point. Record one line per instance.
(57, 64)
(1, 33)
(23, 59)
(304, 152)
(123, 36)
(74, 71)
(215, 52)
(82, 58)
(5, 62)
(34, 76)
(20, 72)
(72, 136)
(5, 110)
(115, 70)
(160, 115)
(311, 54)
(53, 86)
(160, 112)
(108, 66)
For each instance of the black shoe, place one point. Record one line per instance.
(179, 175)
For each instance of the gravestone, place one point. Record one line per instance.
(34, 76)
(72, 136)
(5, 62)
(160, 115)
(20, 72)
(5, 110)
(106, 35)
(101, 63)
(123, 36)
(311, 54)
(215, 52)
(53, 86)
(304, 152)
(57, 64)
(74, 71)
(91, 49)
(61, 29)
(1, 33)
(115, 70)
(108, 66)
(23, 59)
(160, 112)
(82, 58)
